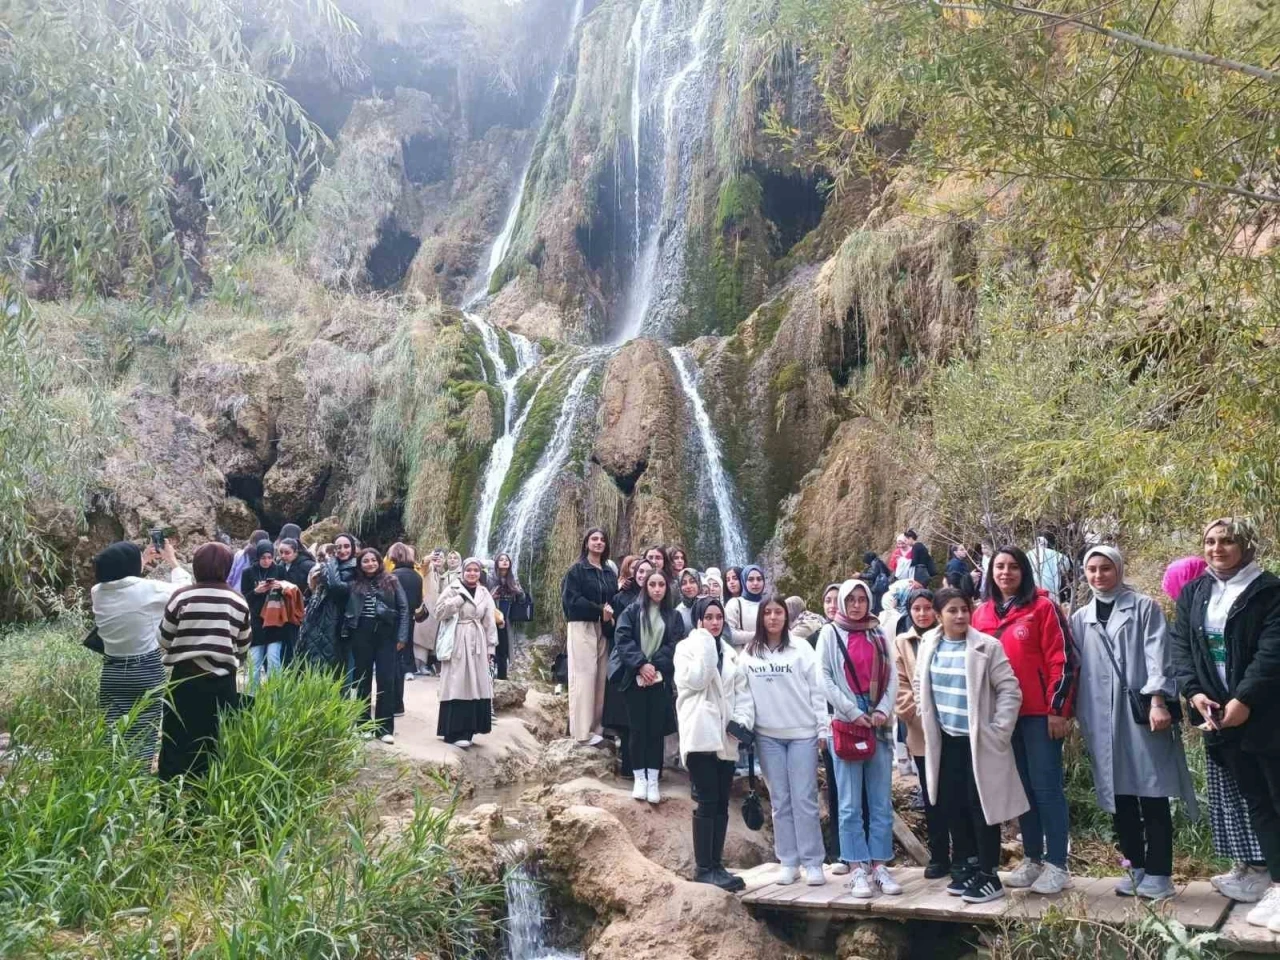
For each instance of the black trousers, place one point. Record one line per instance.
(948, 843)
(710, 780)
(1144, 832)
(1258, 777)
(647, 710)
(374, 648)
(958, 797)
(191, 719)
(502, 654)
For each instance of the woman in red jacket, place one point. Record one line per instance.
(1037, 640)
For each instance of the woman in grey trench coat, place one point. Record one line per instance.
(1124, 645)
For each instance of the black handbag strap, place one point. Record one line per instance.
(751, 767)
(1106, 645)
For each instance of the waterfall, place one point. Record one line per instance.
(535, 488)
(665, 158)
(525, 918)
(733, 538)
(502, 243)
(500, 453)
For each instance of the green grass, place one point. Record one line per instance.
(275, 853)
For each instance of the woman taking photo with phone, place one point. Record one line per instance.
(644, 645)
(256, 584)
(968, 701)
(791, 724)
(861, 683)
(466, 689)
(1226, 654)
(1135, 748)
(713, 700)
(1037, 640)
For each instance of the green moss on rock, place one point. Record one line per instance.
(533, 440)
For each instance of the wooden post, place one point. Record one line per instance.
(910, 842)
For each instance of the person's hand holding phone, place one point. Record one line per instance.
(169, 553)
(1208, 709)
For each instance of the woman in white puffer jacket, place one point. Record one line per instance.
(711, 692)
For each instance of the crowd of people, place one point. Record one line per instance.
(972, 676)
(339, 606)
(981, 671)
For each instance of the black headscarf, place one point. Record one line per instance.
(291, 531)
(120, 560)
(264, 548)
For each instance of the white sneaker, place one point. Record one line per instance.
(786, 876)
(839, 868)
(366, 734)
(813, 876)
(410, 676)
(652, 787)
(1268, 908)
(641, 786)
(1274, 923)
(1024, 874)
(595, 740)
(387, 738)
(1244, 884)
(884, 880)
(1052, 880)
(464, 744)
(860, 884)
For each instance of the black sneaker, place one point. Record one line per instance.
(961, 877)
(937, 869)
(984, 888)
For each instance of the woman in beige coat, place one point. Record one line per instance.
(426, 623)
(466, 610)
(968, 699)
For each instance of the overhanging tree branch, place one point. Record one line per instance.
(1164, 49)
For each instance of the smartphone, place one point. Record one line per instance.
(157, 538)
(740, 733)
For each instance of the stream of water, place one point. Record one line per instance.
(526, 918)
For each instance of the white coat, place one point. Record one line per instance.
(994, 700)
(740, 620)
(707, 698)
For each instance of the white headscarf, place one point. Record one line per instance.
(1112, 554)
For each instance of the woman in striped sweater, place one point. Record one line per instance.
(205, 633)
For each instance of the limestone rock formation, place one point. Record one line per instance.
(509, 695)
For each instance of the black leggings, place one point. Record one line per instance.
(710, 779)
(948, 842)
(958, 796)
(647, 709)
(1144, 832)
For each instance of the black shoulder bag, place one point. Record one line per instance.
(1139, 703)
(752, 808)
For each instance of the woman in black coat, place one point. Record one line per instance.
(505, 590)
(1226, 658)
(257, 584)
(377, 627)
(293, 565)
(585, 593)
(631, 572)
(401, 557)
(923, 569)
(644, 648)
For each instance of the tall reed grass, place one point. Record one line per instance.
(276, 852)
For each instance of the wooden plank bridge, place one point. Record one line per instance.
(1197, 905)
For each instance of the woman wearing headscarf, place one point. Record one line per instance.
(245, 558)
(585, 592)
(258, 583)
(632, 572)
(403, 569)
(690, 588)
(1181, 572)
(713, 583)
(1125, 663)
(740, 612)
(712, 692)
(452, 567)
(1226, 655)
(466, 689)
(377, 627)
(426, 624)
(861, 682)
(1037, 640)
(959, 570)
(126, 612)
(804, 625)
(204, 633)
(505, 590)
(645, 642)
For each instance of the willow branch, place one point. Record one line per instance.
(1163, 49)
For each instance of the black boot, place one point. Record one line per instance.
(724, 879)
(703, 838)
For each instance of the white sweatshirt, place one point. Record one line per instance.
(786, 686)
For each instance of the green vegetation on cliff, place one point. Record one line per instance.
(538, 429)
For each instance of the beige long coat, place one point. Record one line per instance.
(994, 700)
(905, 706)
(465, 675)
(424, 631)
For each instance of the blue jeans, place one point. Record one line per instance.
(267, 656)
(859, 845)
(1039, 759)
(791, 770)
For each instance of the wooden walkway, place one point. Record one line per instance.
(1197, 905)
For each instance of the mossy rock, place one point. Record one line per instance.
(739, 201)
(788, 378)
(507, 349)
(534, 437)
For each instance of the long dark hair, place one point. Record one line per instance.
(646, 602)
(381, 580)
(1026, 590)
(604, 557)
(666, 558)
(505, 581)
(760, 641)
(737, 573)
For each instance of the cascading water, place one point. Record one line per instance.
(501, 452)
(665, 153)
(526, 918)
(733, 539)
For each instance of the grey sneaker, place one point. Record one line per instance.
(1244, 884)
(1024, 874)
(1156, 888)
(1129, 883)
(1052, 880)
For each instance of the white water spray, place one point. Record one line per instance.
(526, 918)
